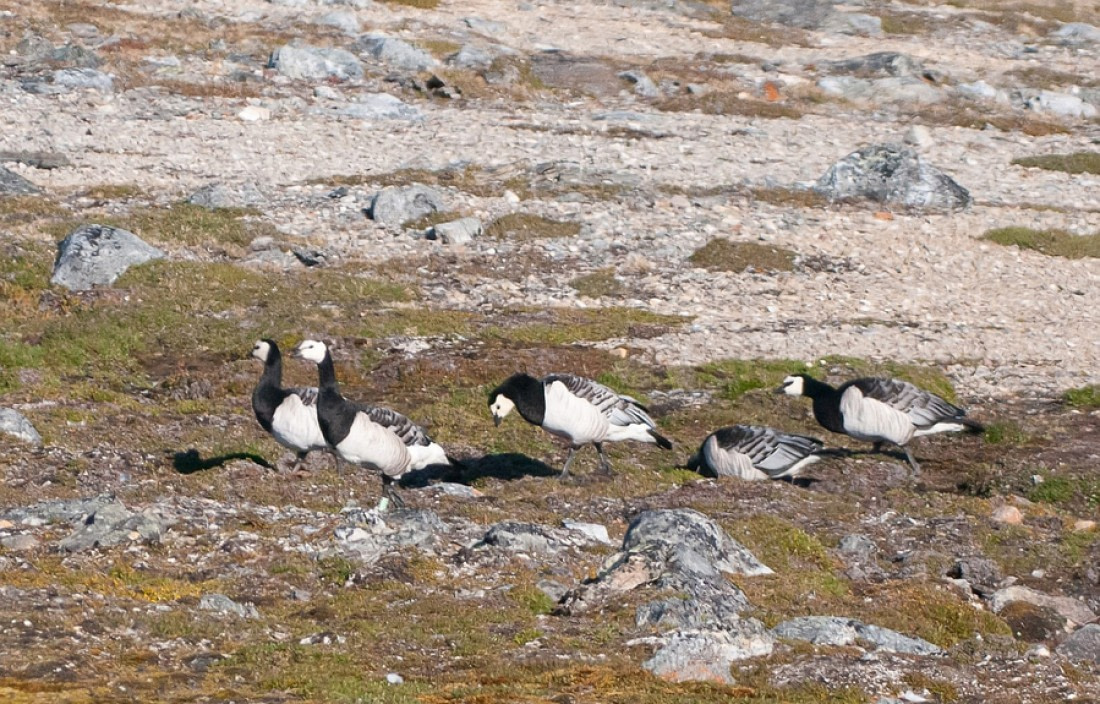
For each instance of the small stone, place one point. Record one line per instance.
(1083, 525)
(343, 20)
(395, 52)
(1038, 651)
(620, 352)
(857, 546)
(394, 678)
(327, 93)
(920, 137)
(221, 195)
(314, 63)
(224, 605)
(1007, 514)
(254, 113)
(1073, 611)
(12, 184)
(892, 174)
(461, 231)
(595, 531)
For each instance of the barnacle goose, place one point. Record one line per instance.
(290, 415)
(880, 410)
(577, 409)
(365, 435)
(754, 452)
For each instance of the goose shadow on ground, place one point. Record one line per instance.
(506, 466)
(191, 461)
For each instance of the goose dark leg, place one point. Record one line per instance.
(877, 447)
(912, 460)
(568, 462)
(390, 494)
(605, 465)
(298, 463)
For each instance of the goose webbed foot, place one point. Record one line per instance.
(605, 465)
(390, 495)
(912, 460)
(568, 463)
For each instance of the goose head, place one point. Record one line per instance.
(311, 351)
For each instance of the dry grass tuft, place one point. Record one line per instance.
(1075, 163)
(528, 226)
(724, 255)
(729, 103)
(1054, 243)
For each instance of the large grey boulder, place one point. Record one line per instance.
(96, 255)
(315, 63)
(806, 14)
(1076, 34)
(395, 52)
(1073, 611)
(12, 184)
(903, 89)
(893, 175)
(833, 630)
(84, 79)
(1083, 645)
(706, 655)
(15, 424)
(396, 205)
(692, 542)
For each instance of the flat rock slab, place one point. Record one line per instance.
(12, 184)
(113, 524)
(1083, 644)
(96, 255)
(706, 655)
(15, 424)
(832, 630)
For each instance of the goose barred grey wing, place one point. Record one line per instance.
(768, 449)
(308, 394)
(924, 409)
(620, 410)
(409, 432)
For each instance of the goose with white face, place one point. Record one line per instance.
(501, 407)
(792, 386)
(261, 350)
(311, 350)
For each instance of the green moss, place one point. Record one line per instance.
(779, 544)
(791, 197)
(598, 284)
(724, 255)
(1052, 490)
(1075, 163)
(1055, 243)
(1006, 433)
(729, 103)
(736, 377)
(528, 226)
(1086, 397)
(905, 23)
(557, 326)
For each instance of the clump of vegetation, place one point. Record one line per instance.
(528, 226)
(1006, 433)
(416, 4)
(1075, 163)
(905, 23)
(18, 209)
(1083, 397)
(598, 284)
(1054, 243)
(111, 191)
(723, 255)
(721, 102)
(1052, 490)
(794, 197)
(560, 326)
(736, 377)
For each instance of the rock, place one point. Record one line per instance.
(920, 137)
(66, 510)
(1032, 623)
(19, 543)
(1083, 525)
(394, 678)
(894, 175)
(327, 93)
(461, 491)
(254, 113)
(857, 547)
(83, 79)
(367, 539)
(471, 56)
(1073, 611)
(39, 160)
(315, 63)
(1083, 645)
(395, 52)
(110, 524)
(345, 21)
(593, 531)
(643, 84)
(905, 89)
(221, 195)
(224, 605)
(487, 27)
(15, 424)
(980, 90)
(706, 655)
(691, 539)
(396, 205)
(375, 106)
(858, 23)
(529, 538)
(806, 14)
(833, 630)
(1076, 34)
(1063, 104)
(554, 590)
(12, 184)
(977, 571)
(1007, 514)
(458, 231)
(877, 65)
(96, 255)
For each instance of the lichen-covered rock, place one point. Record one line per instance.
(12, 184)
(459, 231)
(111, 523)
(15, 424)
(315, 63)
(832, 630)
(396, 205)
(894, 175)
(96, 255)
(691, 541)
(395, 52)
(1083, 645)
(706, 655)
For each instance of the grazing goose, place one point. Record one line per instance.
(369, 436)
(577, 409)
(880, 410)
(290, 415)
(754, 452)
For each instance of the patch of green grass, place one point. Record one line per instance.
(1077, 545)
(735, 377)
(944, 691)
(1083, 397)
(598, 284)
(905, 23)
(533, 599)
(528, 226)
(19, 209)
(1052, 490)
(729, 103)
(723, 255)
(558, 326)
(1075, 163)
(780, 544)
(1006, 433)
(1054, 243)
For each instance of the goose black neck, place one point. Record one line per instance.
(816, 389)
(273, 368)
(326, 373)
